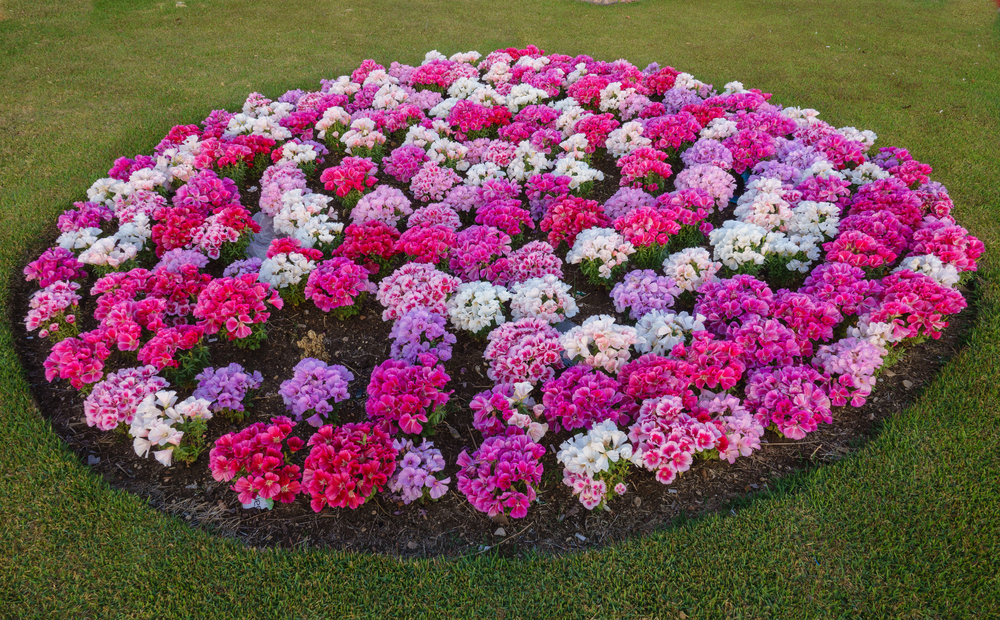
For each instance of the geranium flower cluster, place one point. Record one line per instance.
(171, 429)
(642, 291)
(600, 343)
(338, 285)
(478, 307)
(500, 477)
(256, 458)
(347, 464)
(408, 396)
(419, 332)
(53, 309)
(415, 285)
(528, 349)
(596, 462)
(236, 305)
(417, 472)
(314, 389)
(114, 400)
(227, 388)
(508, 409)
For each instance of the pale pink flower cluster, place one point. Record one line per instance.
(415, 285)
(115, 399)
(524, 350)
(601, 343)
(153, 425)
(547, 298)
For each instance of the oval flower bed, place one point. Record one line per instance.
(532, 269)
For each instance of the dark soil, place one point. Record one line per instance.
(557, 522)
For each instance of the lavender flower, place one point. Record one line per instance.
(312, 386)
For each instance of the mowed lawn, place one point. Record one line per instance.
(907, 527)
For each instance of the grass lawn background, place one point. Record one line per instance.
(909, 526)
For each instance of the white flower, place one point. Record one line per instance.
(318, 229)
(739, 243)
(78, 239)
(626, 139)
(613, 97)
(107, 251)
(603, 245)
(719, 129)
(600, 342)
(865, 174)
(523, 95)
(155, 420)
(420, 136)
(284, 270)
(298, 206)
(579, 172)
(663, 330)
(478, 305)
(547, 298)
(866, 137)
(297, 153)
(527, 161)
(480, 173)
(943, 273)
(332, 116)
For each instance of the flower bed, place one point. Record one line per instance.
(539, 269)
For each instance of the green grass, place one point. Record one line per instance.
(908, 527)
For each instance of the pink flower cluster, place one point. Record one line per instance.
(114, 400)
(427, 243)
(315, 387)
(478, 252)
(48, 308)
(407, 396)
(581, 397)
(645, 168)
(852, 364)
(524, 350)
(53, 265)
(255, 457)
(235, 305)
(347, 465)
(569, 216)
(499, 477)
(372, 244)
(415, 285)
(792, 398)
(353, 176)
(915, 305)
(432, 182)
(336, 284)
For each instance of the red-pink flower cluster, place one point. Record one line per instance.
(506, 215)
(372, 243)
(235, 304)
(347, 465)
(255, 454)
(644, 168)
(79, 359)
(712, 361)
(404, 162)
(841, 285)
(427, 244)
(725, 302)
(352, 174)
(949, 242)
(337, 283)
(915, 305)
(432, 182)
(568, 216)
(748, 148)
(596, 128)
(166, 342)
(534, 260)
(647, 226)
(672, 131)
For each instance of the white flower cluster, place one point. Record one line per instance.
(866, 136)
(343, 86)
(464, 87)
(335, 116)
(449, 153)
(943, 273)
(603, 245)
(579, 172)
(879, 334)
(478, 306)
(547, 298)
(297, 153)
(613, 97)
(571, 113)
(626, 139)
(108, 251)
(719, 129)
(80, 239)
(480, 173)
(591, 453)
(148, 179)
(104, 191)
(421, 136)
(865, 174)
(803, 117)
(601, 343)
(527, 161)
(298, 206)
(389, 97)
(266, 126)
(738, 243)
(318, 229)
(575, 146)
(663, 330)
(690, 268)
(443, 109)
(284, 270)
(522, 95)
(137, 232)
(155, 417)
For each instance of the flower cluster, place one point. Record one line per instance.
(255, 457)
(415, 285)
(600, 343)
(420, 332)
(499, 477)
(347, 464)
(407, 396)
(171, 429)
(315, 387)
(115, 399)
(478, 307)
(642, 291)
(338, 285)
(595, 463)
(416, 476)
(524, 350)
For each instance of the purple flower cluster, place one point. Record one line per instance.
(642, 291)
(227, 387)
(313, 387)
(420, 332)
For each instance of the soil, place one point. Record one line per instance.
(451, 526)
